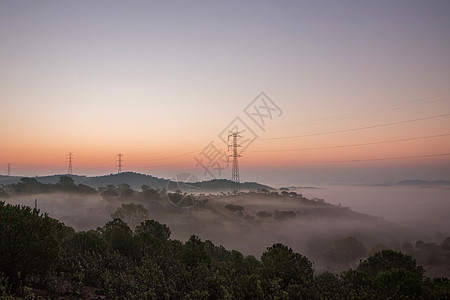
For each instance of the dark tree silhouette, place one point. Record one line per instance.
(28, 242)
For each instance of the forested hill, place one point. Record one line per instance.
(136, 181)
(41, 258)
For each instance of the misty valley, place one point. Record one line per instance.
(175, 240)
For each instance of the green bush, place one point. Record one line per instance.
(29, 243)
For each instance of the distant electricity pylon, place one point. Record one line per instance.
(9, 169)
(69, 160)
(119, 163)
(235, 180)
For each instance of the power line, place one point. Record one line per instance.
(389, 158)
(167, 157)
(393, 107)
(356, 129)
(165, 165)
(316, 134)
(365, 160)
(358, 145)
(333, 132)
(158, 152)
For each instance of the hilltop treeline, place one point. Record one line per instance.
(40, 257)
(30, 186)
(137, 180)
(65, 184)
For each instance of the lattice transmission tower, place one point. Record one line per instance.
(235, 180)
(69, 160)
(119, 163)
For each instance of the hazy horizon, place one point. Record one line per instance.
(291, 181)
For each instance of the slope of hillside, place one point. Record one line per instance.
(137, 180)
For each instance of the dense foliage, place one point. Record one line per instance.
(30, 186)
(40, 257)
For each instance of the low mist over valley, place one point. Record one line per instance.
(334, 236)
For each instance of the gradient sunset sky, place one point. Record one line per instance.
(363, 86)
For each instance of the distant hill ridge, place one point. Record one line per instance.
(417, 182)
(423, 182)
(135, 180)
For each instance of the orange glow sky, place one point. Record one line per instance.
(158, 82)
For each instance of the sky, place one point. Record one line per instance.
(353, 91)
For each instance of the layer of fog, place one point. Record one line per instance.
(79, 212)
(404, 215)
(426, 209)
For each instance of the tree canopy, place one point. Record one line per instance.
(41, 256)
